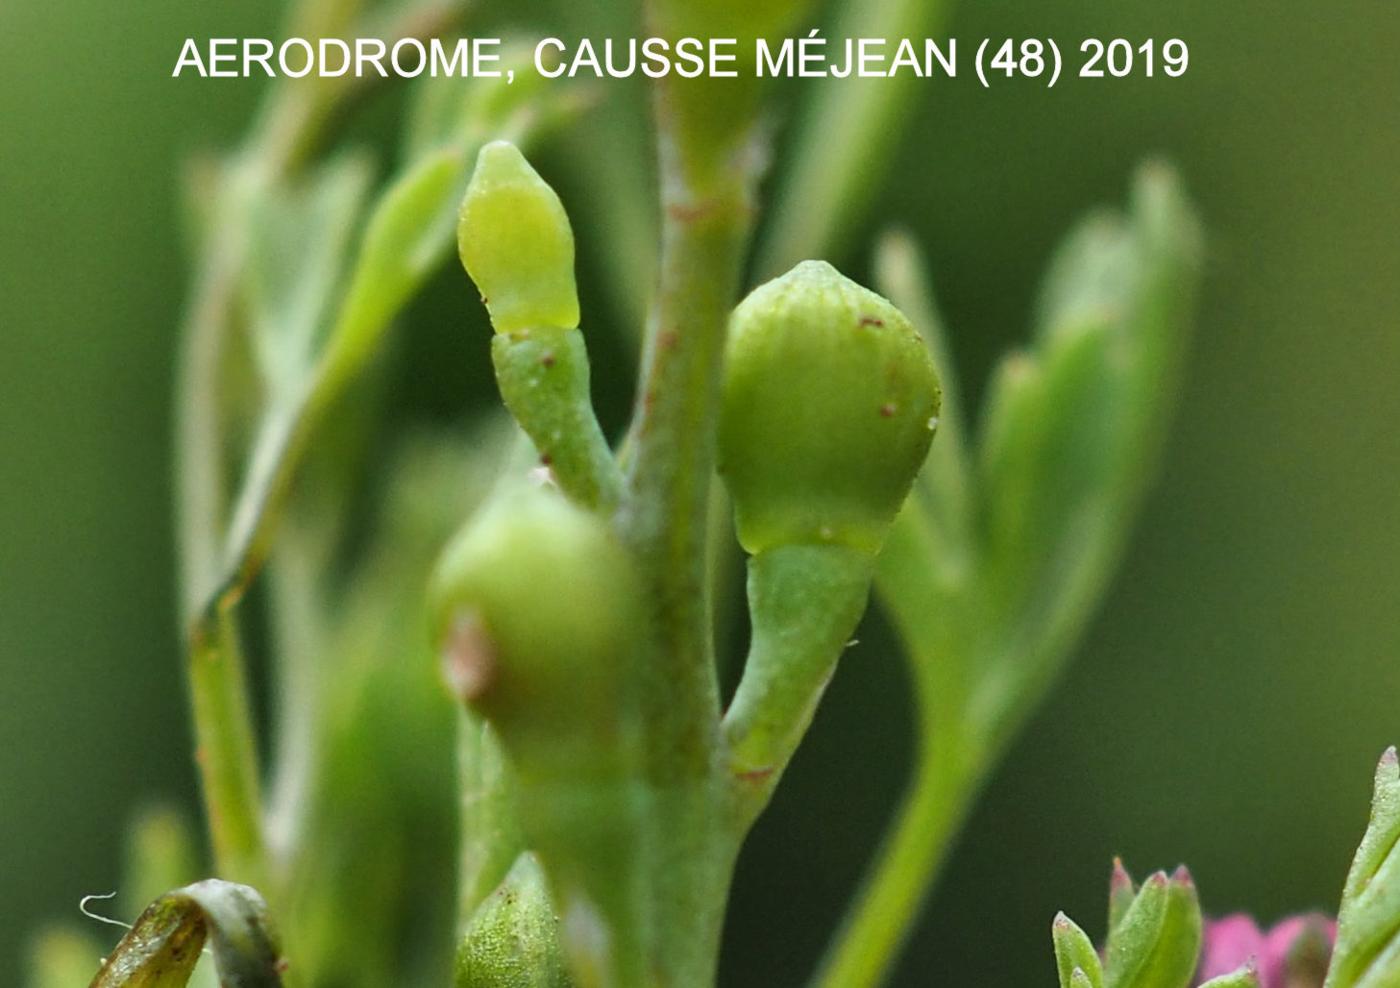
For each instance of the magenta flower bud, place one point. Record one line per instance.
(1294, 954)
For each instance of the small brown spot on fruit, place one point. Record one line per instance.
(548, 359)
(871, 321)
(468, 659)
(887, 410)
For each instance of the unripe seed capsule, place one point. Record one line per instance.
(830, 403)
(536, 608)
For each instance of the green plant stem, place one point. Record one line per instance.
(664, 517)
(226, 752)
(665, 507)
(928, 819)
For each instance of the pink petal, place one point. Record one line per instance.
(1227, 943)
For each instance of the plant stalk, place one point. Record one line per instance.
(926, 824)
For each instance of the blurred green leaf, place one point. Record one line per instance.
(302, 232)
(62, 958)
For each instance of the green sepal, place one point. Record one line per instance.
(829, 405)
(516, 243)
(1121, 892)
(1075, 956)
(1173, 959)
(1245, 977)
(1367, 952)
(512, 940)
(161, 950)
(1136, 936)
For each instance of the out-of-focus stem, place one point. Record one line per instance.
(927, 821)
(843, 140)
(225, 751)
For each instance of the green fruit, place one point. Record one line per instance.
(830, 403)
(536, 609)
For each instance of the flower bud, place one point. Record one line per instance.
(1156, 943)
(513, 937)
(830, 403)
(516, 243)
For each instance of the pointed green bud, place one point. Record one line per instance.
(516, 243)
(1075, 955)
(512, 940)
(830, 403)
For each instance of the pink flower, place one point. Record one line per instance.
(1294, 954)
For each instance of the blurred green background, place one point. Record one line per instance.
(1231, 697)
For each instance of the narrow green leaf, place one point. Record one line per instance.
(408, 234)
(161, 950)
